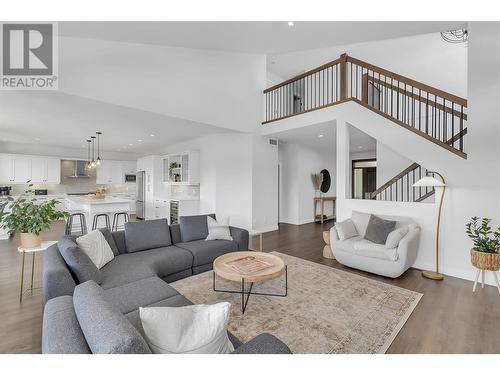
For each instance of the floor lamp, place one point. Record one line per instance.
(430, 181)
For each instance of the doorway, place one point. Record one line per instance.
(364, 177)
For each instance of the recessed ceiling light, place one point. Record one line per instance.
(130, 144)
(321, 136)
(360, 146)
(290, 23)
(151, 135)
(139, 140)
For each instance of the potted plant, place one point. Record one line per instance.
(29, 217)
(485, 254)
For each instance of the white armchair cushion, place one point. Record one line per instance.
(346, 229)
(395, 236)
(373, 250)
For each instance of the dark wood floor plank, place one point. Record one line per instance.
(448, 319)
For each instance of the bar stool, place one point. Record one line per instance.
(69, 223)
(95, 221)
(116, 220)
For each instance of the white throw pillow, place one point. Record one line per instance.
(218, 230)
(346, 229)
(196, 329)
(94, 244)
(395, 237)
(360, 220)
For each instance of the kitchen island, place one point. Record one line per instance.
(92, 206)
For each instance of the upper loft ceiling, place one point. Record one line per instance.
(249, 37)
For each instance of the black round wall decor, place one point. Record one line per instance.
(327, 181)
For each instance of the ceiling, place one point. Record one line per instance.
(54, 118)
(322, 137)
(67, 117)
(249, 37)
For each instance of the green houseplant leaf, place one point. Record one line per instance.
(484, 239)
(27, 215)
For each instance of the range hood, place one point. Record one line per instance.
(79, 169)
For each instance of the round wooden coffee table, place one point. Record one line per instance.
(225, 268)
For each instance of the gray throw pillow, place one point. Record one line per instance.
(146, 235)
(78, 262)
(378, 229)
(194, 227)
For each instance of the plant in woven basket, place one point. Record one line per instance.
(480, 232)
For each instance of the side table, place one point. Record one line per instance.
(33, 250)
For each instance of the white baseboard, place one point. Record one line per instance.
(267, 229)
(468, 274)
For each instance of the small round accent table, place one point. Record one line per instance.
(33, 250)
(224, 270)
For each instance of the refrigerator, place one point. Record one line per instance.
(141, 195)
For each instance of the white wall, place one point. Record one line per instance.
(238, 178)
(472, 184)
(211, 87)
(426, 58)
(265, 184)
(389, 163)
(297, 191)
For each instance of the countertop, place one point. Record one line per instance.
(107, 200)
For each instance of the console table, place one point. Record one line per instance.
(321, 217)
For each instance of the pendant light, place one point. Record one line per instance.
(88, 154)
(93, 163)
(98, 161)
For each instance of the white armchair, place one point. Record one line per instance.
(356, 252)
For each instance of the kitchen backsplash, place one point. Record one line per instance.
(184, 191)
(75, 185)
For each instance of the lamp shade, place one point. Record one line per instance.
(428, 181)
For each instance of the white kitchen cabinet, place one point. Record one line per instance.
(53, 170)
(114, 171)
(129, 167)
(110, 172)
(45, 170)
(182, 169)
(5, 168)
(161, 209)
(21, 169)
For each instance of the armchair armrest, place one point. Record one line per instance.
(240, 236)
(264, 343)
(408, 247)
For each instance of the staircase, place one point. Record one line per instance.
(431, 113)
(400, 187)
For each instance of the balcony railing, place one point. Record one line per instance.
(432, 113)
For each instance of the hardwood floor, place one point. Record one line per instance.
(448, 319)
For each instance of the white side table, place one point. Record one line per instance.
(33, 250)
(259, 233)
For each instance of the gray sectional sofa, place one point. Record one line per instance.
(90, 310)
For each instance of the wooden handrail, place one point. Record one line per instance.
(415, 96)
(403, 79)
(308, 73)
(393, 180)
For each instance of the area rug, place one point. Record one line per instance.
(326, 310)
